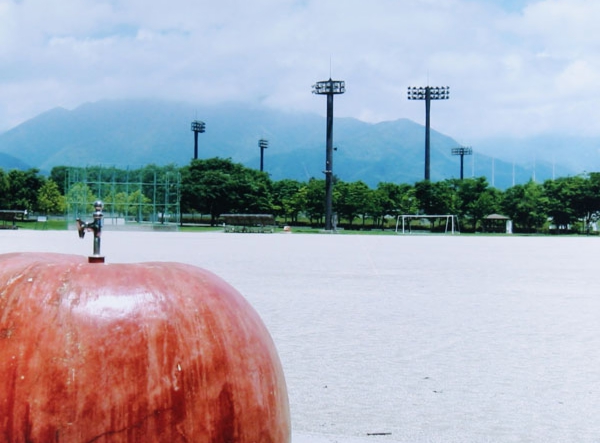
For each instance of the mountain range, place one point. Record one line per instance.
(135, 133)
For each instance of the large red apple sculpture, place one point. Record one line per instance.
(149, 352)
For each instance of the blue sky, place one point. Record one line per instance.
(515, 68)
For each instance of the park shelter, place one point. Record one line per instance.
(497, 223)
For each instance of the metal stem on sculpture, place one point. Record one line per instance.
(96, 226)
(97, 236)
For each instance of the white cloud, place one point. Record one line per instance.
(511, 70)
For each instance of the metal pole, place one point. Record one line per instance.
(427, 130)
(329, 164)
(329, 88)
(97, 230)
(428, 93)
(462, 151)
(262, 144)
(96, 227)
(197, 127)
(262, 159)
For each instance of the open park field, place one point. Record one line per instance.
(424, 338)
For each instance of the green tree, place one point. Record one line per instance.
(158, 183)
(286, 203)
(590, 204)
(573, 200)
(137, 204)
(80, 199)
(314, 194)
(488, 202)
(526, 206)
(352, 200)
(23, 188)
(436, 198)
(4, 200)
(217, 186)
(209, 194)
(60, 176)
(476, 199)
(561, 195)
(251, 191)
(49, 199)
(394, 199)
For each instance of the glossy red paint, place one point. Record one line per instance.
(149, 352)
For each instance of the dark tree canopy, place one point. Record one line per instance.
(217, 186)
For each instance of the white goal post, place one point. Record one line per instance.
(451, 222)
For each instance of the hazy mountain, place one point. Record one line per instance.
(136, 133)
(8, 162)
(569, 153)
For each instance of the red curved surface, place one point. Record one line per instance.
(150, 352)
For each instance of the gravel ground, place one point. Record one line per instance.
(406, 338)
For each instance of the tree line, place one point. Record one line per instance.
(217, 186)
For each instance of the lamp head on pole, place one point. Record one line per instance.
(462, 150)
(329, 87)
(198, 126)
(431, 92)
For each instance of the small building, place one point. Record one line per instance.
(9, 218)
(497, 223)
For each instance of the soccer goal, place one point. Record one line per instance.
(403, 222)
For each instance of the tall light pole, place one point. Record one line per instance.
(262, 144)
(428, 93)
(329, 88)
(462, 151)
(197, 127)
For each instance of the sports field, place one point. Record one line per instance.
(407, 338)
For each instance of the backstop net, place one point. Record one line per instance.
(143, 196)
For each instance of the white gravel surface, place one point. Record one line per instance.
(411, 338)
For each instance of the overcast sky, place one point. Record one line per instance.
(514, 67)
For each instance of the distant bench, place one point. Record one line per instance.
(249, 223)
(9, 218)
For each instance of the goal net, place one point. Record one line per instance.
(403, 223)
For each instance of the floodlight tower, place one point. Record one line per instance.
(197, 127)
(428, 93)
(462, 151)
(329, 88)
(262, 144)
